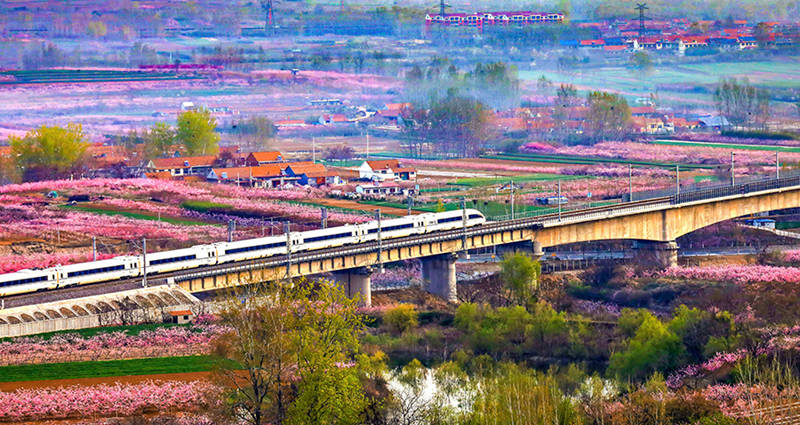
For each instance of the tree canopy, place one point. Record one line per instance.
(520, 273)
(48, 152)
(291, 356)
(742, 103)
(608, 117)
(196, 131)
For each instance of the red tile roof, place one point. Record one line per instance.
(384, 164)
(309, 169)
(267, 156)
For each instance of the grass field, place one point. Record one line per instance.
(586, 160)
(138, 216)
(96, 369)
(488, 181)
(728, 146)
(89, 332)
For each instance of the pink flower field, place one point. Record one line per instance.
(105, 400)
(736, 273)
(70, 347)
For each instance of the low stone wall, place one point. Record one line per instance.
(90, 321)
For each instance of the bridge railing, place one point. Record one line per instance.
(747, 186)
(659, 193)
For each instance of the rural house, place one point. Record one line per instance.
(387, 169)
(181, 166)
(307, 173)
(260, 158)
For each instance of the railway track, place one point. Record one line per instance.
(542, 221)
(282, 260)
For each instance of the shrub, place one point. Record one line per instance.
(401, 318)
(759, 134)
(653, 348)
(204, 206)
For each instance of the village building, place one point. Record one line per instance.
(181, 166)
(255, 159)
(307, 173)
(262, 176)
(385, 170)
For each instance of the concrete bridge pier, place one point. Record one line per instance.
(656, 253)
(439, 274)
(356, 282)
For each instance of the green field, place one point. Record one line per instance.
(729, 146)
(138, 216)
(49, 76)
(488, 181)
(96, 369)
(89, 332)
(586, 160)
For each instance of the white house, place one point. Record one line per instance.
(384, 170)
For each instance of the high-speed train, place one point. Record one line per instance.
(205, 255)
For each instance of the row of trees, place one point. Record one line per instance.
(742, 103)
(56, 152)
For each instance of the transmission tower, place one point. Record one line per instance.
(641, 7)
(268, 24)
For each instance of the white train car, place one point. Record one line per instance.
(330, 237)
(181, 259)
(251, 248)
(26, 281)
(96, 271)
(205, 255)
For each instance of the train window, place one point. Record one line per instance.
(23, 281)
(95, 271)
(474, 216)
(449, 219)
(254, 248)
(172, 259)
(327, 237)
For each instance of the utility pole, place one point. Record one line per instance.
(231, 229)
(367, 144)
(464, 225)
(324, 217)
(144, 262)
(94, 248)
(441, 7)
(410, 201)
(777, 166)
(733, 164)
(287, 230)
(380, 240)
(559, 200)
(677, 179)
(630, 183)
(512, 199)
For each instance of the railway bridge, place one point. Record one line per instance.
(653, 223)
